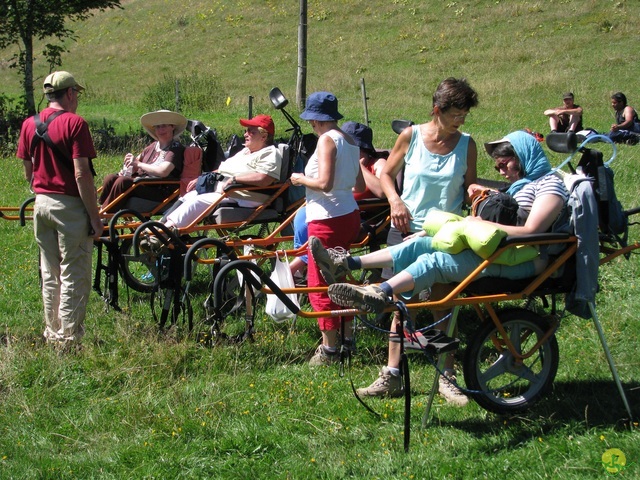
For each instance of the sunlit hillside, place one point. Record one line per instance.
(520, 55)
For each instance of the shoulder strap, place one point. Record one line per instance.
(42, 133)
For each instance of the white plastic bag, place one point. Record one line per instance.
(282, 277)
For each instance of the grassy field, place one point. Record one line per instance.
(134, 404)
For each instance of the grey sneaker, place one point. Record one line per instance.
(321, 357)
(332, 262)
(386, 385)
(368, 298)
(449, 391)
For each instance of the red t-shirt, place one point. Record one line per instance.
(373, 167)
(70, 133)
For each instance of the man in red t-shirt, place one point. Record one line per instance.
(65, 214)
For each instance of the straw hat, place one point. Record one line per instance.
(163, 117)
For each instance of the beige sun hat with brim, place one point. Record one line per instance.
(163, 117)
(489, 146)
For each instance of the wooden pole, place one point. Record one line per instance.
(301, 89)
(364, 101)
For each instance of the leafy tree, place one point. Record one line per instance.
(22, 21)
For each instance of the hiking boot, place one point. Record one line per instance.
(386, 385)
(151, 244)
(322, 357)
(368, 298)
(332, 262)
(449, 391)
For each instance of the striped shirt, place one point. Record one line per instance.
(547, 185)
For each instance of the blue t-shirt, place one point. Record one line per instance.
(432, 180)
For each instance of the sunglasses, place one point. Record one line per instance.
(503, 165)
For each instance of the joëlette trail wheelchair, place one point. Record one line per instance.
(114, 257)
(225, 228)
(512, 359)
(236, 237)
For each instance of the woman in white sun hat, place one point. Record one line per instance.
(162, 158)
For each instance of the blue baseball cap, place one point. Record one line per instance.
(321, 106)
(361, 134)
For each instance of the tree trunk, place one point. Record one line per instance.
(27, 69)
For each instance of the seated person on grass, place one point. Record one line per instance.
(567, 118)
(627, 126)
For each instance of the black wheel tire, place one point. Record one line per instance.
(139, 272)
(502, 385)
(166, 313)
(236, 297)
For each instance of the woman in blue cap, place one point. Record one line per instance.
(371, 163)
(330, 178)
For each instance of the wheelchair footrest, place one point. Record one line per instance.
(432, 341)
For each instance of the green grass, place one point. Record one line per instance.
(134, 404)
(519, 55)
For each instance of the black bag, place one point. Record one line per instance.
(207, 182)
(498, 207)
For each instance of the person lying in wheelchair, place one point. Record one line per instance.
(542, 207)
(162, 158)
(258, 164)
(542, 200)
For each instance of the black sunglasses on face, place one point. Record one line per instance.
(502, 165)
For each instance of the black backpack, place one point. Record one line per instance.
(42, 134)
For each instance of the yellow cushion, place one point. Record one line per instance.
(517, 254)
(435, 219)
(450, 238)
(483, 238)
